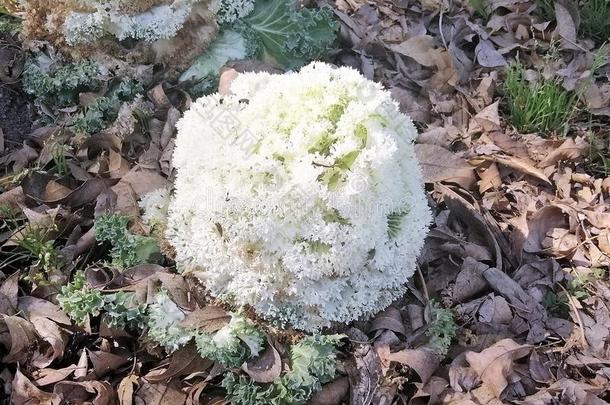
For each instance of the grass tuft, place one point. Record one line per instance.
(595, 20)
(539, 107)
(547, 9)
(480, 7)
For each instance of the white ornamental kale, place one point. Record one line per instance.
(299, 195)
(154, 206)
(233, 343)
(160, 22)
(164, 318)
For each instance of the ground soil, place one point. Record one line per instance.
(16, 111)
(15, 114)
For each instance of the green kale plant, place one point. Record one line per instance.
(128, 250)
(8, 23)
(60, 87)
(104, 110)
(123, 312)
(313, 363)
(79, 301)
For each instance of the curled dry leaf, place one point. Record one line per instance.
(184, 361)
(469, 281)
(424, 361)
(126, 389)
(106, 362)
(48, 376)
(21, 337)
(570, 149)
(488, 56)
(389, 319)
(566, 15)
(433, 390)
(519, 165)
(494, 365)
(226, 78)
(332, 393)
(543, 221)
(24, 392)
(33, 307)
(57, 340)
(35, 187)
(420, 48)
(13, 198)
(94, 392)
(265, 368)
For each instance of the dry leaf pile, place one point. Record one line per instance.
(518, 252)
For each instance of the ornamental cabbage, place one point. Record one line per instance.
(164, 317)
(299, 195)
(233, 343)
(313, 362)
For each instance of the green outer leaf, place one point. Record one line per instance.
(288, 36)
(229, 45)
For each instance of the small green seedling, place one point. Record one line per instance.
(442, 328)
(38, 246)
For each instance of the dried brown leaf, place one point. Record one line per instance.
(519, 165)
(24, 392)
(54, 336)
(48, 376)
(441, 165)
(183, 362)
(106, 362)
(125, 389)
(570, 149)
(389, 319)
(94, 392)
(22, 337)
(566, 15)
(209, 319)
(487, 55)
(469, 282)
(423, 361)
(8, 294)
(159, 394)
(265, 368)
(33, 307)
(420, 48)
(332, 393)
(494, 365)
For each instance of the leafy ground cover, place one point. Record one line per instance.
(511, 303)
